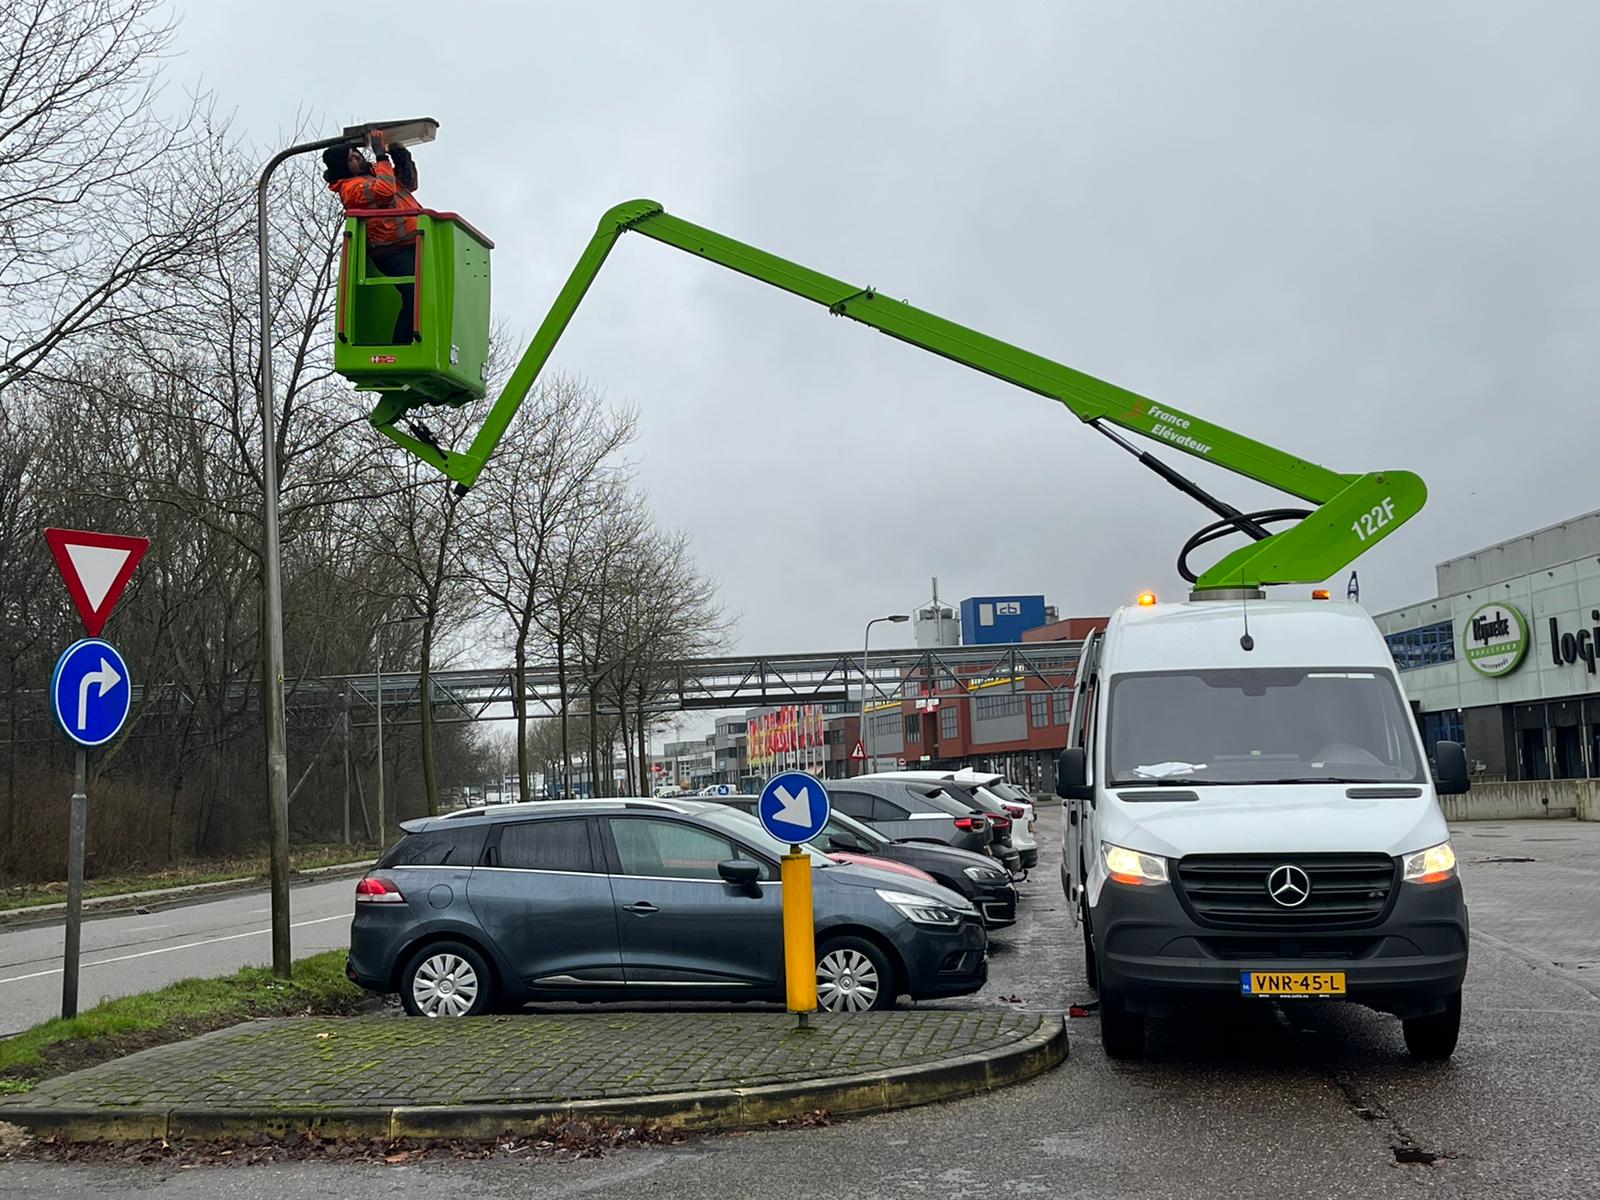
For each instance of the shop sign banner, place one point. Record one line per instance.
(1568, 649)
(1495, 639)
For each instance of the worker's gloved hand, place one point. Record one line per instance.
(399, 154)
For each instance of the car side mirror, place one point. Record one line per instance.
(1072, 775)
(742, 873)
(1452, 778)
(845, 841)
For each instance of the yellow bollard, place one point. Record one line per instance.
(799, 932)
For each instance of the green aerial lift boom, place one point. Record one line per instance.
(1350, 513)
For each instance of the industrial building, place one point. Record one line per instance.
(1503, 658)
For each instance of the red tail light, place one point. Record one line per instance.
(374, 889)
(970, 824)
(1000, 823)
(1017, 811)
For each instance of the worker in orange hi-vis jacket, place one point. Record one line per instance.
(391, 243)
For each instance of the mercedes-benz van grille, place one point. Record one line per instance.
(1255, 890)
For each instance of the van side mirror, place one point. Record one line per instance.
(1072, 775)
(742, 873)
(1452, 778)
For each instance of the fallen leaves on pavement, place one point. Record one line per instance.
(563, 1141)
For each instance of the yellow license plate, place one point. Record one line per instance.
(1291, 983)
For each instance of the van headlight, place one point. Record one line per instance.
(1132, 867)
(920, 910)
(1433, 865)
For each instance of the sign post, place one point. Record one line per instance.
(90, 696)
(75, 840)
(794, 808)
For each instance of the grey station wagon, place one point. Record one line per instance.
(913, 811)
(611, 900)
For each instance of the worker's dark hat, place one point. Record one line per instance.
(337, 160)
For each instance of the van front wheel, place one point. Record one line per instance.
(1121, 1031)
(1433, 1038)
(1091, 969)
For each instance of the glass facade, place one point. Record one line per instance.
(1425, 647)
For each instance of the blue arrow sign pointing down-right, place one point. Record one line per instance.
(794, 807)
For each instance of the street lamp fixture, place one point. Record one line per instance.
(866, 724)
(417, 129)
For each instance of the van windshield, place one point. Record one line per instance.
(1275, 725)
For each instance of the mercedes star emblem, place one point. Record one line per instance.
(1289, 886)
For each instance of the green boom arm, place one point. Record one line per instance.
(1353, 511)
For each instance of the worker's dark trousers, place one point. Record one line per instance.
(399, 260)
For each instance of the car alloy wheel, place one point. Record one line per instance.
(847, 981)
(445, 986)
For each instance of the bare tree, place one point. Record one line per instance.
(667, 611)
(542, 496)
(94, 219)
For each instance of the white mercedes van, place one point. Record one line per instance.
(1249, 812)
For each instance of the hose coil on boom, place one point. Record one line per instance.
(1250, 523)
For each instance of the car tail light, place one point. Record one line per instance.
(970, 824)
(1001, 823)
(1017, 811)
(374, 889)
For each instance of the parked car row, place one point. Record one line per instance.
(978, 877)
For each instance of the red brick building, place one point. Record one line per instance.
(1011, 726)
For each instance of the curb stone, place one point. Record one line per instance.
(702, 1111)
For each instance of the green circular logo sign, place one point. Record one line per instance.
(1495, 639)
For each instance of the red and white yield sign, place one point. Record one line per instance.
(97, 567)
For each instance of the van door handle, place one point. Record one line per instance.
(643, 908)
(1072, 816)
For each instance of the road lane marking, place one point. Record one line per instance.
(232, 937)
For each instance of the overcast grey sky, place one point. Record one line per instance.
(1362, 232)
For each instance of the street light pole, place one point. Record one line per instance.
(271, 575)
(272, 587)
(378, 672)
(866, 726)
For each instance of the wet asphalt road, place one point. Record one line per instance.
(1301, 1100)
(138, 952)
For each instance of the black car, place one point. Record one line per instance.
(976, 876)
(635, 900)
(1000, 821)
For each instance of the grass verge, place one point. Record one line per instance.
(170, 1014)
(304, 858)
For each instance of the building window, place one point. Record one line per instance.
(1425, 647)
(1441, 727)
(1060, 703)
(988, 708)
(948, 727)
(884, 724)
(1039, 702)
(913, 729)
